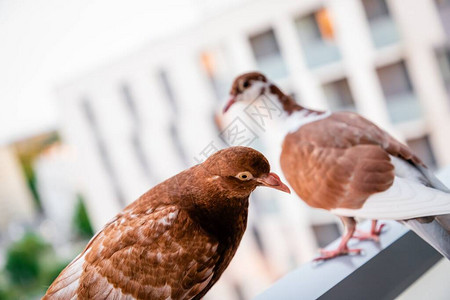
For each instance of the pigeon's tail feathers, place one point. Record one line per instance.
(432, 179)
(404, 200)
(444, 221)
(437, 232)
(433, 233)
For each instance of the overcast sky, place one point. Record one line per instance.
(45, 42)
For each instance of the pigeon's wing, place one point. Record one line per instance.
(405, 199)
(67, 283)
(328, 177)
(431, 179)
(65, 286)
(416, 193)
(156, 255)
(339, 161)
(348, 164)
(436, 232)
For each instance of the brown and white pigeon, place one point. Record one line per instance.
(344, 163)
(175, 241)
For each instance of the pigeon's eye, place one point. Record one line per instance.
(244, 176)
(243, 85)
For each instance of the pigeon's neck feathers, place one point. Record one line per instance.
(287, 102)
(225, 222)
(295, 114)
(207, 203)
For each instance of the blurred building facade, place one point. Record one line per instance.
(16, 202)
(142, 119)
(57, 188)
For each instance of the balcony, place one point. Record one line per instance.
(382, 26)
(267, 54)
(398, 90)
(403, 107)
(383, 31)
(273, 66)
(339, 95)
(317, 38)
(319, 52)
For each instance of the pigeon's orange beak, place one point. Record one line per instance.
(272, 180)
(229, 104)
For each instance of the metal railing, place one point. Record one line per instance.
(384, 270)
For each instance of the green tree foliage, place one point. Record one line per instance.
(81, 221)
(22, 263)
(31, 266)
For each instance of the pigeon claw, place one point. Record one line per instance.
(373, 235)
(328, 254)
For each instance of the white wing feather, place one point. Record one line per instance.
(67, 285)
(405, 199)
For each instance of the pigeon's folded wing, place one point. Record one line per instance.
(415, 193)
(138, 256)
(327, 177)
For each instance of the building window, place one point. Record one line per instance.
(168, 90)
(258, 239)
(397, 89)
(443, 57)
(136, 131)
(382, 26)
(176, 141)
(173, 128)
(105, 157)
(443, 8)
(267, 54)
(265, 204)
(218, 71)
(339, 96)
(422, 148)
(326, 233)
(442, 3)
(316, 33)
(130, 103)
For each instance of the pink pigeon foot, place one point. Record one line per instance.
(328, 254)
(342, 249)
(373, 234)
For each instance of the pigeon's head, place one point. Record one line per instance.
(246, 88)
(239, 170)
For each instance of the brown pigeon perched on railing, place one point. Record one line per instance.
(344, 163)
(176, 240)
